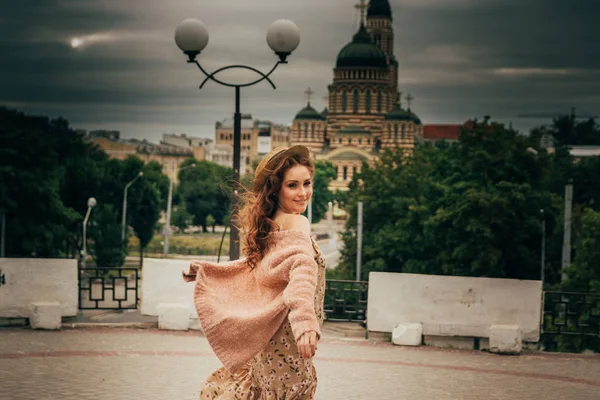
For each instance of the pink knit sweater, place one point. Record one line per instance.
(240, 309)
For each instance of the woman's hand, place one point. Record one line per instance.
(307, 344)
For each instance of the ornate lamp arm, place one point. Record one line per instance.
(212, 77)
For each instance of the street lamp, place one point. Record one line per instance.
(91, 203)
(124, 220)
(167, 228)
(191, 36)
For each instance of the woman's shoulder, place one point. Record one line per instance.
(295, 222)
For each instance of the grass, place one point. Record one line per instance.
(194, 244)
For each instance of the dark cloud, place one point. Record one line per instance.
(459, 58)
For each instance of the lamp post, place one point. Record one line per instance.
(91, 203)
(543, 255)
(167, 228)
(124, 220)
(191, 36)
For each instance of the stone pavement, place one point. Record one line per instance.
(118, 363)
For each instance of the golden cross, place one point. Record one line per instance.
(409, 98)
(362, 7)
(309, 92)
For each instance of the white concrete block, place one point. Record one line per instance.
(454, 305)
(407, 334)
(26, 281)
(506, 339)
(45, 315)
(173, 316)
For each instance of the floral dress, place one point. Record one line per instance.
(277, 372)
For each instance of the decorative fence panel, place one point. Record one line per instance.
(108, 288)
(346, 300)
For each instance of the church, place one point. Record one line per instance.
(364, 113)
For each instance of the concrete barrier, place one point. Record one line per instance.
(453, 306)
(29, 281)
(162, 284)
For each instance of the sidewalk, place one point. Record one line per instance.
(127, 363)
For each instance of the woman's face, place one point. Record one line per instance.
(296, 190)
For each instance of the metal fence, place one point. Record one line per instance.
(108, 288)
(571, 314)
(346, 300)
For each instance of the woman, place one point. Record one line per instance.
(262, 314)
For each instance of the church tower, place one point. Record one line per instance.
(380, 27)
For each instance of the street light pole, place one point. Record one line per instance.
(91, 204)
(543, 260)
(124, 218)
(167, 228)
(191, 36)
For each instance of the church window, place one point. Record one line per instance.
(355, 101)
(403, 131)
(222, 136)
(395, 131)
(354, 170)
(345, 172)
(344, 101)
(379, 101)
(389, 131)
(333, 102)
(349, 140)
(305, 131)
(368, 141)
(368, 101)
(378, 39)
(359, 141)
(340, 140)
(312, 131)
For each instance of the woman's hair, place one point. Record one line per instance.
(258, 208)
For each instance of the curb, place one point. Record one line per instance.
(116, 325)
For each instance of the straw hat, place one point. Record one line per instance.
(269, 161)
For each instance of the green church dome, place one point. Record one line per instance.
(400, 114)
(309, 113)
(379, 9)
(361, 52)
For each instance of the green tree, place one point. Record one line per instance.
(181, 218)
(105, 232)
(324, 174)
(143, 200)
(37, 222)
(206, 189)
(210, 221)
(470, 208)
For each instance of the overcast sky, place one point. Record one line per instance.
(459, 59)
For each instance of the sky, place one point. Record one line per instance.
(460, 59)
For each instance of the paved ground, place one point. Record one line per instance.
(115, 363)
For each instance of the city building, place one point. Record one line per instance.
(169, 156)
(257, 137)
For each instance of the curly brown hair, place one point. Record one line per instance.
(259, 207)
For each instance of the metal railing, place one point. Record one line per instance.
(572, 314)
(346, 300)
(108, 288)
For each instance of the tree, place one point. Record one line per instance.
(181, 218)
(206, 189)
(210, 221)
(324, 174)
(143, 200)
(105, 231)
(38, 224)
(470, 208)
